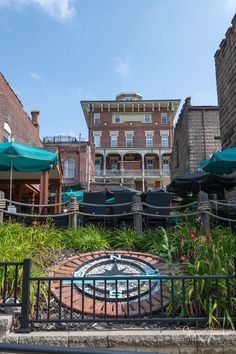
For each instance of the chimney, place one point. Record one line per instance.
(34, 118)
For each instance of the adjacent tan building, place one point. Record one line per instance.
(133, 139)
(225, 62)
(196, 137)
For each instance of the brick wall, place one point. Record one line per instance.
(196, 137)
(225, 62)
(12, 113)
(138, 128)
(78, 152)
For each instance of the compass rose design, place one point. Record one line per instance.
(111, 284)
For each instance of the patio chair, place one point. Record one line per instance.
(121, 197)
(93, 210)
(157, 199)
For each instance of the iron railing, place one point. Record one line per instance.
(146, 298)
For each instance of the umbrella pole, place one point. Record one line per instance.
(11, 172)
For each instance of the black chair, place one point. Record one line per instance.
(156, 199)
(121, 197)
(93, 210)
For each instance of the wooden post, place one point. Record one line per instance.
(44, 181)
(205, 218)
(138, 218)
(57, 208)
(2, 205)
(73, 207)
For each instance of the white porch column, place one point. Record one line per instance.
(160, 167)
(122, 167)
(143, 184)
(104, 165)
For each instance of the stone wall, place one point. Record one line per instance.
(225, 62)
(196, 137)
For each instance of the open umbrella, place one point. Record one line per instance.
(222, 162)
(200, 181)
(23, 158)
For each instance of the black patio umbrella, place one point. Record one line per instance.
(201, 181)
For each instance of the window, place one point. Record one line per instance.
(164, 118)
(114, 165)
(165, 167)
(114, 140)
(129, 140)
(149, 164)
(117, 118)
(97, 166)
(96, 118)
(147, 118)
(68, 167)
(6, 133)
(165, 140)
(97, 139)
(149, 140)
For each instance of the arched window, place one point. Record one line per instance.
(6, 132)
(68, 167)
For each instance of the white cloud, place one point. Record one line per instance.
(122, 66)
(60, 10)
(230, 5)
(36, 76)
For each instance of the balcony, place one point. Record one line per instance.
(127, 173)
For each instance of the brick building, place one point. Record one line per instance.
(14, 121)
(16, 124)
(77, 157)
(133, 139)
(225, 62)
(196, 137)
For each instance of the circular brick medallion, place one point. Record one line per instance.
(98, 287)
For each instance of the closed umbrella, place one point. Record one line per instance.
(222, 162)
(200, 181)
(24, 158)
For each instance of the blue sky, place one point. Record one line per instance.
(55, 53)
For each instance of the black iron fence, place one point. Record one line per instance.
(127, 298)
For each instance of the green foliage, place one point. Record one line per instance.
(186, 250)
(86, 239)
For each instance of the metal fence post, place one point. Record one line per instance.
(24, 320)
(204, 206)
(137, 208)
(73, 207)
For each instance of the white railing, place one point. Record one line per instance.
(128, 173)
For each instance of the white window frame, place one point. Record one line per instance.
(166, 167)
(148, 134)
(150, 164)
(97, 135)
(68, 167)
(114, 143)
(162, 117)
(96, 118)
(147, 118)
(165, 140)
(131, 140)
(6, 132)
(117, 118)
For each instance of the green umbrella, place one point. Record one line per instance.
(222, 162)
(24, 158)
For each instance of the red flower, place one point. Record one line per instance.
(183, 259)
(193, 235)
(208, 238)
(35, 223)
